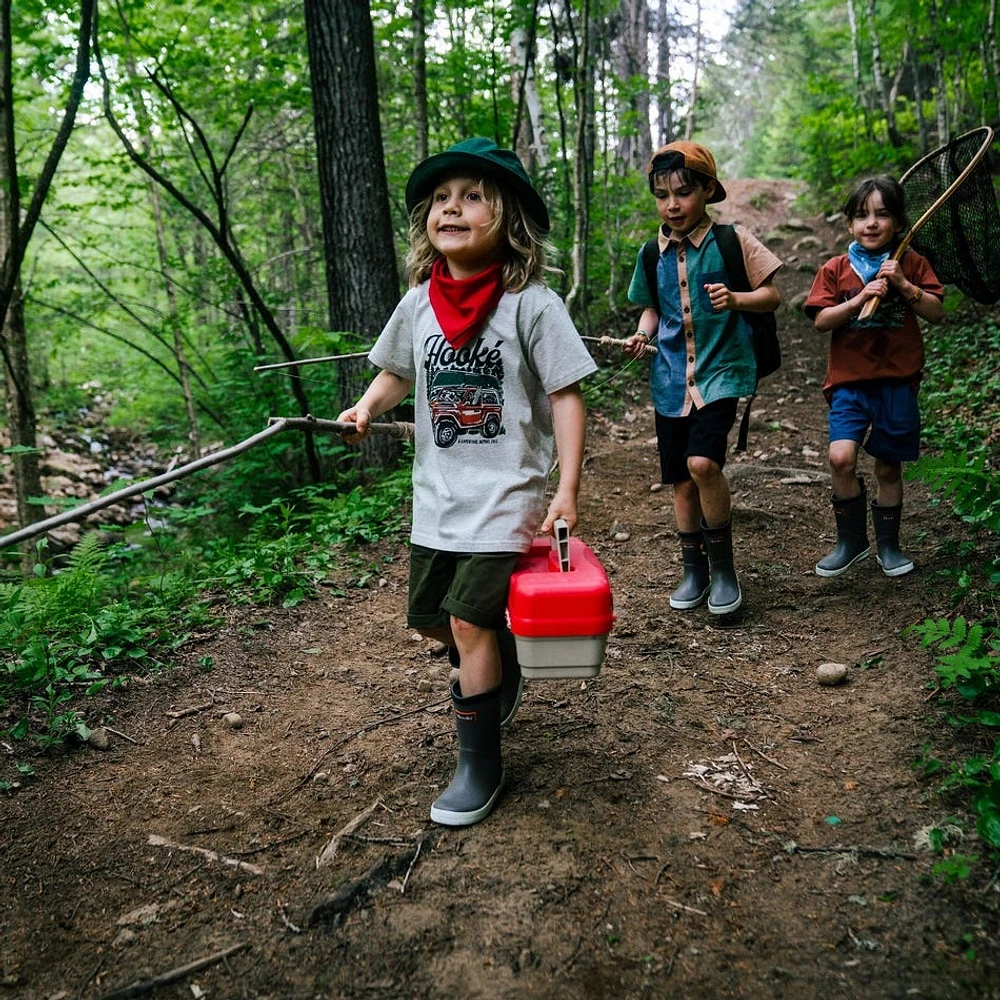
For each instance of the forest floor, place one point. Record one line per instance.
(702, 819)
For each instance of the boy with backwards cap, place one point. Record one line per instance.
(704, 362)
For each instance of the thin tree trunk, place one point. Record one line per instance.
(690, 126)
(664, 102)
(583, 160)
(15, 234)
(888, 110)
(991, 36)
(419, 20)
(918, 98)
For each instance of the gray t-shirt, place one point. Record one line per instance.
(484, 439)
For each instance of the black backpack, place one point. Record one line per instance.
(766, 349)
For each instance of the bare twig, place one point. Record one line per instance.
(180, 713)
(869, 852)
(760, 753)
(329, 852)
(140, 987)
(244, 866)
(681, 906)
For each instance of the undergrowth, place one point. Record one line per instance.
(962, 414)
(112, 612)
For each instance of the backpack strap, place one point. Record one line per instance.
(650, 258)
(736, 274)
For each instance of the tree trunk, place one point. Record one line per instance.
(689, 127)
(361, 277)
(664, 102)
(419, 22)
(15, 234)
(859, 84)
(630, 56)
(530, 140)
(583, 167)
(888, 110)
(918, 100)
(991, 37)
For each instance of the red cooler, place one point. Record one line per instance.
(559, 609)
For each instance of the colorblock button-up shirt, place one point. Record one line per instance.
(702, 355)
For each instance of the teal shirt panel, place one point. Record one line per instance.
(702, 355)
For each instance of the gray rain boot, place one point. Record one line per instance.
(479, 775)
(512, 683)
(852, 535)
(725, 595)
(886, 522)
(694, 586)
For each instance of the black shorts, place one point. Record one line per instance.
(469, 585)
(702, 433)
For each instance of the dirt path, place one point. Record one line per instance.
(700, 820)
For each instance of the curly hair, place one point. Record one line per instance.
(526, 249)
(893, 198)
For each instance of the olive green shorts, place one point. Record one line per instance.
(469, 585)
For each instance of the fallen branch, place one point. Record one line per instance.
(140, 987)
(244, 866)
(275, 426)
(329, 852)
(192, 710)
(869, 852)
(348, 896)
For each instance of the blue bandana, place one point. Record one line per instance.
(866, 262)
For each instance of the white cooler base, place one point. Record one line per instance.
(560, 657)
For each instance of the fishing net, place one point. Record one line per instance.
(961, 238)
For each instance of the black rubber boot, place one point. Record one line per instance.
(886, 522)
(512, 683)
(479, 775)
(852, 535)
(694, 586)
(724, 596)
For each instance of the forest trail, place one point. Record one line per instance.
(701, 820)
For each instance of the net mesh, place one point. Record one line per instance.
(962, 238)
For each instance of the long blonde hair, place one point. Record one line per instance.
(525, 247)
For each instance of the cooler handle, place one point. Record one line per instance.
(560, 542)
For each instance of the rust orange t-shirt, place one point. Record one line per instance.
(889, 345)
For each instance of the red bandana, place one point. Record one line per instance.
(462, 307)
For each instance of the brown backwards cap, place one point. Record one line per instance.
(690, 156)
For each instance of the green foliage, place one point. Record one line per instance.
(69, 633)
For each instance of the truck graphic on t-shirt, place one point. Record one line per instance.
(464, 403)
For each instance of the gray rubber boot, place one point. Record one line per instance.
(694, 586)
(724, 596)
(886, 523)
(852, 535)
(512, 683)
(479, 775)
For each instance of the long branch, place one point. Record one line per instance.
(276, 426)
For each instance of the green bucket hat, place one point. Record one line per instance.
(480, 156)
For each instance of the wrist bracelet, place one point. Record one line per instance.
(917, 297)
(642, 333)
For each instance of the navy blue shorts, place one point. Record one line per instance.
(469, 585)
(887, 412)
(702, 433)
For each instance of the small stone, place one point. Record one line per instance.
(831, 674)
(321, 777)
(99, 739)
(233, 719)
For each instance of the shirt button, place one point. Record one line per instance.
(684, 284)
(691, 358)
(687, 309)
(690, 381)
